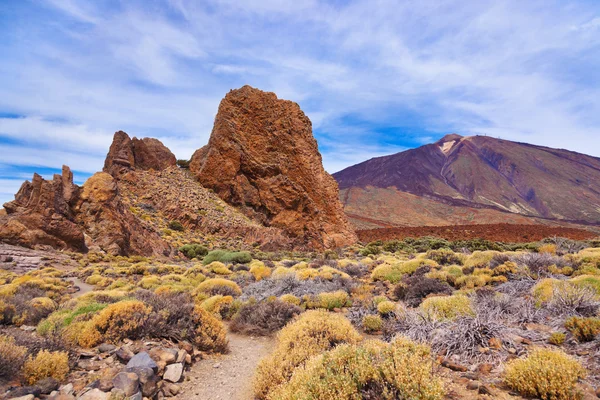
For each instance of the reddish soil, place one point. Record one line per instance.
(509, 233)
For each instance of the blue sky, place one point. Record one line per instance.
(374, 76)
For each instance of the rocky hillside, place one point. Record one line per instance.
(263, 159)
(262, 184)
(477, 179)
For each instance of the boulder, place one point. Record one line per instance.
(173, 372)
(169, 356)
(263, 159)
(128, 382)
(142, 360)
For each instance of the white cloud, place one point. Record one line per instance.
(520, 70)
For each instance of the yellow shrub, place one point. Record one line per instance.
(333, 300)
(149, 282)
(557, 338)
(400, 370)
(547, 248)
(480, 259)
(307, 273)
(447, 307)
(372, 323)
(94, 279)
(300, 265)
(117, 321)
(508, 267)
(46, 364)
(393, 273)
(386, 307)
(313, 333)
(260, 270)
(543, 291)
(291, 299)
(217, 304)
(281, 272)
(589, 281)
(11, 357)
(219, 286)
(584, 329)
(210, 332)
(547, 374)
(218, 268)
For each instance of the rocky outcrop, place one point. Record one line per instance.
(60, 214)
(109, 224)
(41, 214)
(126, 154)
(263, 159)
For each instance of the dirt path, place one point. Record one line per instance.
(83, 287)
(228, 377)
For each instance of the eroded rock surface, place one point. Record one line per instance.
(126, 154)
(263, 159)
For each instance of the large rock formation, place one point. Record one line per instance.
(62, 215)
(263, 158)
(41, 214)
(126, 154)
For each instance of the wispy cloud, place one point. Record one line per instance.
(375, 77)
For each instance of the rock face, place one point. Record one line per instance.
(263, 159)
(42, 214)
(126, 154)
(62, 215)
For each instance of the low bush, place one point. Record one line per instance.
(547, 374)
(447, 307)
(220, 286)
(445, 257)
(414, 289)
(289, 284)
(125, 319)
(259, 270)
(584, 329)
(394, 273)
(218, 268)
(193, 250)
(12, 357)
(373, 370)
(231, 257)
(45, 365)
(263, 318)
(557, 338)
(218, 305)
(386, 307)
(329, 301)
(176, 226)
(311, 334)
(372, 323)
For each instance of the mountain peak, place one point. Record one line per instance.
(450, 137)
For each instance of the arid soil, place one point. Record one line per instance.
(496, 232)
(228, 377)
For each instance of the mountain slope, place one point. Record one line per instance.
(475, 179)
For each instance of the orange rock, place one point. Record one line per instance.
(263, 159)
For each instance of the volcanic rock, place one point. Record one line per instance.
(126, 154)
(263, 159)
(41, 214)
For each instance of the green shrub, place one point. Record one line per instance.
(233, 257)
(176, 226)
(193, 250)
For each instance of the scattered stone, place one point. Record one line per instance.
(170, 389)
(485, 368)
(454, 366)
(181, 356)
(27, 397)
(173, 372)
(128, 382)
(187, 346)
(124, 354)
(484, 389)
(94, 394)
(217, 365)
(169, 356)
(24, 391)
(60, 396)
(473, 385)
(66, 389)
(47, 385)
(142, 360)
(106, 348)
